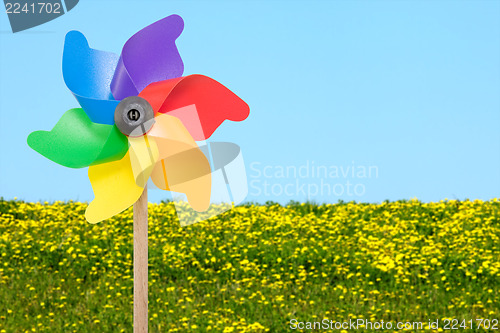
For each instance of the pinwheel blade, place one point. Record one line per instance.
(182, 166)
(76, 142)
(114, 188)
(144, 155)
(229, 183)
(149, 56)
(87, 73)
(214, 103)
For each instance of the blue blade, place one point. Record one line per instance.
(88, 73)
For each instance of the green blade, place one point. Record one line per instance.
(77, 142)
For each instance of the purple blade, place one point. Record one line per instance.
(149, 56)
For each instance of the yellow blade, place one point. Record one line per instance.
(115, 189)
(182, 166)
(143, 157)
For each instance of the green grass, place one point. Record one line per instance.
(252, 269)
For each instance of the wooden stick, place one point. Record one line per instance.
(141, 263)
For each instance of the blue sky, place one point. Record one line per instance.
(410, 89)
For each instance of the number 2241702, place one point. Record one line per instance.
(455, 324)
(34, 8)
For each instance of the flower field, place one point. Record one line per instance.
(252, 269)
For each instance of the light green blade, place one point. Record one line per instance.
(77, 142)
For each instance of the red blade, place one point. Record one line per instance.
(214, 103)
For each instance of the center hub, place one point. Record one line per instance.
(134, 116)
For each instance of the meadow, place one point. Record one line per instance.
(252, 269)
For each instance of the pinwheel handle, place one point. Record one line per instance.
(141, 263)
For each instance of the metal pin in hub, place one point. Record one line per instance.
(133, 115)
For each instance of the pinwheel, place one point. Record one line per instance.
(139, 120)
